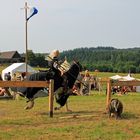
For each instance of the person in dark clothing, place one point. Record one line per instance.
(57, 71)
(8, 76)
(53, 73)
(53, 63)
(0, 78)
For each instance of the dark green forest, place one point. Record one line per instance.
(104, 59)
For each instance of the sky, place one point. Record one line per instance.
(70, 24)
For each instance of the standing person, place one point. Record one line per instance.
(14, 77)
(2, 90)
(8, 76)
(86, 80)
(0, 78)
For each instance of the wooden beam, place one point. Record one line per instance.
(24, 83)
(77, 116)
(125, 83)
(108, 98)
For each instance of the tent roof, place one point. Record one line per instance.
(116, 77)
(17, 67)
(123, 78)
(128, 78)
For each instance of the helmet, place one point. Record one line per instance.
(54, 53)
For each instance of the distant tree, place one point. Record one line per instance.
(36, 59)
(31, 58)
(104, 58)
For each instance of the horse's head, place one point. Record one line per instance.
(78, 65)
(73, 73)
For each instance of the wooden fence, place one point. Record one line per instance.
(49, 84)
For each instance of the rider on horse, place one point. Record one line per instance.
(55, 72)
(58, 68)
(63, 75)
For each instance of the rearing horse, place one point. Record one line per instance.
(71, 76)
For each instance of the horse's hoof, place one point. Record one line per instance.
(69, 110)
(56, 108)
(29, 105)
(21, 94)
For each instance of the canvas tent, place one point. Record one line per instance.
(128, 78)
(116, 77)
(17, 68)
(123, 78)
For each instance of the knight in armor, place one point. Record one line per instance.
(53, 62)
(58, 68)
(57, 71)
(53, 73)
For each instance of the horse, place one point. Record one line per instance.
(61, 93)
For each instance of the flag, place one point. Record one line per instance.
(33, 12)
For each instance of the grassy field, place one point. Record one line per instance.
(92, 124)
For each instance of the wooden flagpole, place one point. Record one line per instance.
(26, 37)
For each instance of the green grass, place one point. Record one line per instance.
(94, 124)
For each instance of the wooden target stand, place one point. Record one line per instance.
(49, 84)
(111, 83)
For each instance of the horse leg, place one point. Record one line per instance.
(31, 96)
(58, 108)
(30, 104)
(68, 110)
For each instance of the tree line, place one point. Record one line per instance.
(104, 59)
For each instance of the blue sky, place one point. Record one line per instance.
(69, 24)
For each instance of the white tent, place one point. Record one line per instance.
(128, 78)
(17, 67)
(116, 77)
(123, 78)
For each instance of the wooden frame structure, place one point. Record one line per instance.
(111, 83)
(49, 84)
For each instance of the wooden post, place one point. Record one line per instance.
(108, 94)
(26, 38)
(51, 93)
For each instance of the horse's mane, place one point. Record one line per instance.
(72, 73)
